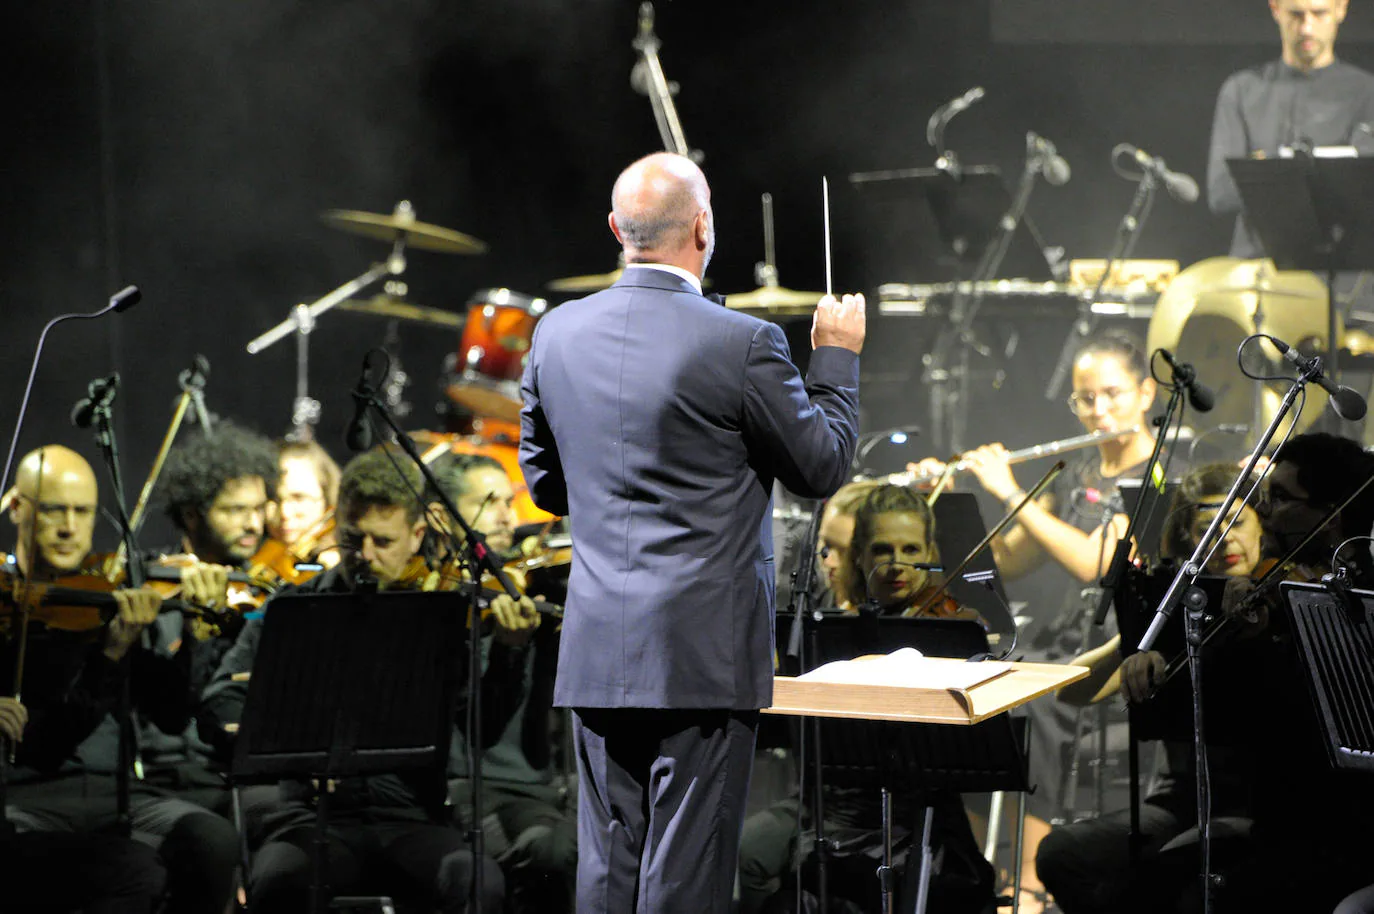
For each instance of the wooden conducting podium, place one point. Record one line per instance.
(881, 702)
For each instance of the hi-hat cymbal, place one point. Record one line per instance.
(593, 282)
(388, 307)
(774, 300)
(420, 235)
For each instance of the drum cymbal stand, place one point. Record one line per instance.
(305, 411)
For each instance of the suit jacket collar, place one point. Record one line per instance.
(648, 278)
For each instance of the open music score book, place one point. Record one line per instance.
(906, 686)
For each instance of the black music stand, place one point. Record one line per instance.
(1155, 513)
(984, 757)
(345, 685)
(1311, 214)
(1335, 646)
(958, 528)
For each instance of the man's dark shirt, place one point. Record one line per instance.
(417, 796)
(1262, 108)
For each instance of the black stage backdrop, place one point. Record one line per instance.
(189, 147)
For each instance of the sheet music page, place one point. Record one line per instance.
(908, 668)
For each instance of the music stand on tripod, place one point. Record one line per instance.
(1334, 638)
(347, 685)
(1311, 214)
(984, 757)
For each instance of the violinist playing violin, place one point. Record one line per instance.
(306, 493)
(528, 819)
(389, 834)
(893, 537)
(215, 490)
(71, 681)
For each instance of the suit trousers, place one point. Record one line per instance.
(661, 806)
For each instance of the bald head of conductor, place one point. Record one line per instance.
(661, 213)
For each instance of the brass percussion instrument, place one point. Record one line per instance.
(1213, 305)
(774, 301)
(593, 282)
(395, 309)
(402, 226)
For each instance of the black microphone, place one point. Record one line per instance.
(1180, 186)
(1349, 405)
(1200, 396)
(948, 110)
(100, 393)
(1052, 164)
(125, 299)
(358, 437)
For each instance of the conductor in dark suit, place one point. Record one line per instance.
(657, 421)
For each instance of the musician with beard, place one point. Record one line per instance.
(389, 834)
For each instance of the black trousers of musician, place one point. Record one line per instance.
(661, 804)
(530, 831)
(64, 871)
(371, 852)
(198, 848)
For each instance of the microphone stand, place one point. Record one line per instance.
(102, 418)
(803, 580)
(1111, 581)
(1126, 234)
(479, 560)
(1196, 600)
(122, 300)
(949, 386)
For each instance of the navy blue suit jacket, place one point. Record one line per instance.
(657, 420)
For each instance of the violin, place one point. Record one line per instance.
(80, 603)
(451, 575)
(276, 564)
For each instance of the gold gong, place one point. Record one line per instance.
(1212, 306)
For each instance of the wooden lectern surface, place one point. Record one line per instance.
(1014, 685)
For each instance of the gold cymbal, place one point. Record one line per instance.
(395, 309)
(1212, 305)
(593, 282)
(420, 235)
(774, 300)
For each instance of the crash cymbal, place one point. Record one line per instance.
(394, 309)
(593, 282)
(1213, 305)
(774, 300)
(420, 235)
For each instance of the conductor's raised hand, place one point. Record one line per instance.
(841, 323)
(515, 620)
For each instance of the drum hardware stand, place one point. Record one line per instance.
(766, 272)
(647, 79)
(949, 384)
(305, 411)
(1126, 235)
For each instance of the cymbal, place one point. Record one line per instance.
(419, 235)
(774, 300)
(394, 309)
(1210, 307)
(593, 282)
